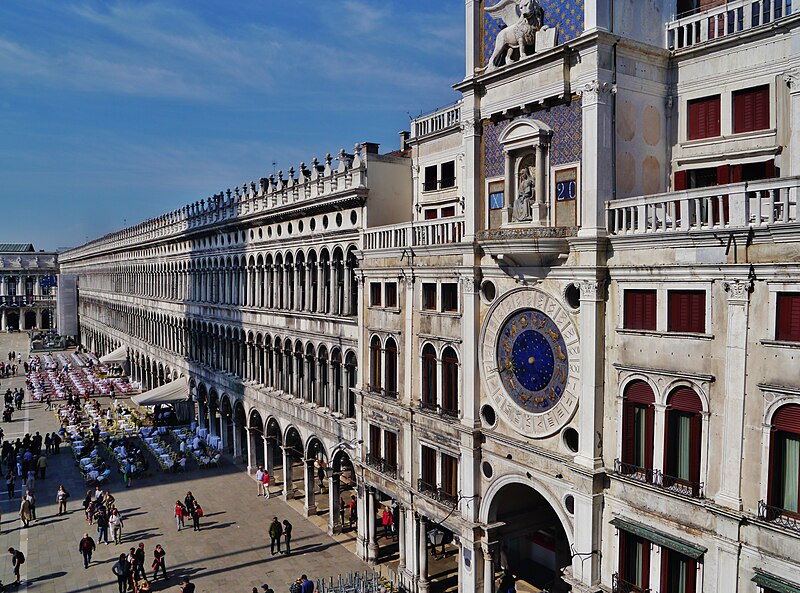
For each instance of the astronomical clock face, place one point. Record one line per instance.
(531, 362)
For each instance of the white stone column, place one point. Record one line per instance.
(250, 452)
(401, 540)
(372, 539)
(321, 305)
(590, 388)
(587, 533)
(269, 461)
(334, 493)
(335, 304)
(488, 569)
(597, 184)
(347, 280)
(310, 504)
(423, 555)
(735, 385)
(288, 488)
(237, 441)
(792, 79)
(309, 296)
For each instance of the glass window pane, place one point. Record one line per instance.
(791, 473)
(683, 450)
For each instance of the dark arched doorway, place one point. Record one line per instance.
(533, 544)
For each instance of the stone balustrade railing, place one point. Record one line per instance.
(441, 231)
(752, 203)
(305, 184)
(440, 119)
(729, 18)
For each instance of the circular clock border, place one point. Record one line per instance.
(530, 424)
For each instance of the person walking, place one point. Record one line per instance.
(188, 500)
(17, 560)
(188, 586)
(86, 547)
(25, 511)
(61, 498)
(126, 473)
(41, 465)
(196, 512)
(180, 513)
(101, 520)
(116, 525)
(122, 572)
(32, 501)
(386, 521)
(275, 533)
(260, 480)
(11, 481)
(138, 563)
(353, 512)
(159, 562)
(287, 536)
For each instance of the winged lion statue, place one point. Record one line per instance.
(523, 18)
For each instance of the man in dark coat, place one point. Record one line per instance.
(275, 533)
(86, 547)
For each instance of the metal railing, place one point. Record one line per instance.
(620, 585)
(779, 516)
(435, 493)
(441, 411)
(736, 205)
(732, 17)
(659, 479)
(382, 466)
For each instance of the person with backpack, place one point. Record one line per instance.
(296, 587)
(122, 570)
(17, 560)
(275, 533)
(86, 547)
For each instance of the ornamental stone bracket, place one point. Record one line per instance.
(591, 290)
(792, 80)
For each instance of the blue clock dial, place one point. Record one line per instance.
(532, 360)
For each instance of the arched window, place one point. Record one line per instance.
(682, 452)
(375, 364)
(391, 368)
(784, 462)
(428, 376)
(638, 415)
(449, 381)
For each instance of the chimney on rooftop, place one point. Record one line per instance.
(405, 135)
(371, 147)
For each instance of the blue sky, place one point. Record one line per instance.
(115, 111)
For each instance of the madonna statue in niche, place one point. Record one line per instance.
(525, 195)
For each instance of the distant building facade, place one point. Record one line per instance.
(27, 287)
(570, 304)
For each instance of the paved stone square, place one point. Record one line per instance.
(230, 553)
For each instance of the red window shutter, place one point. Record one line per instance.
(775, 461)
(761, 108)
(723, 174)
(769, 169)
(640, 309)
(695, 109)
(695, 430)
(713, 128)
(787, 419)
(684, 399)
(736, 173)
(679, 180)
(628, 431)
(751, 109)
(650, 436)
(687, 311)
(788, 319)
(640, 392)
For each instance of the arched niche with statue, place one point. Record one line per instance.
(526, 145)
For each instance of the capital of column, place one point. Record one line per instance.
(596, 91)
(738, 289)
(792, 80)
(470, 284)
(591, 290)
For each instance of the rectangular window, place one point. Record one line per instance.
(429, 296)
(703, 118)
(431, 214)
(751, 109)
(687, 311)
(787, 326)
(375, 294)
(678, 572)
(634, 562)
(785, 469)
(390, 448)
(640, 309)
(448, 174)
(496, 195)
(430, 178)
(448, 211)
(391, 294)
(449, 475)
(375, 441)
(450, 297)
(428, 468)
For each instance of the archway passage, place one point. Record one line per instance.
(12, 320)
(293, 465)
(533, 545)
(256, 435)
